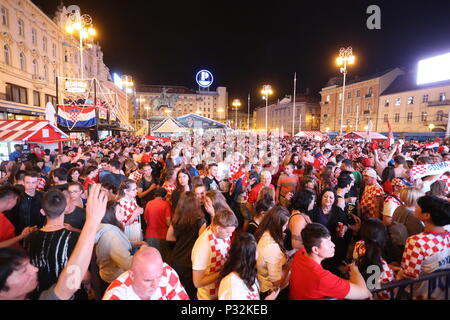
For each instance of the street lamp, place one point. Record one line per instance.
(236, 104)
(431, 126)
(345, 56)
(127, 85)
(83, 25)
(266, 91)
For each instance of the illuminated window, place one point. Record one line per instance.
(398, 101)
(442, 96)
(386, 103)
(410, 100)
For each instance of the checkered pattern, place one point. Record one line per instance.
(234, 168)
(128, 207)
(429, 169)
(393, 199)
(170, 188)
(253, 295)
(170, 287)
(135, 176)
(219, 254)
(41, 184)
(368, 201)
(418, 171)
(74, 115)
(320, 162)
(387, 274)
(354, 156)
(425, 253)
(446, 179)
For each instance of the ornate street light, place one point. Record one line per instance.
(345, 57)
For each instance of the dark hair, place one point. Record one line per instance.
(71, 171)
(344, 180)
(388, 174)
(188, 210)
(31, 174)
(374, 234)
(115, 164)
(273, 221)
(75, 183)
(309, 169)
(323, 193)
(89, 170)
(302, 199)
(54, 203)
(10, 260)
(437, 188)
(61, 174)
(20, 175)
(347, 163)
(178, 185)
(242, 259)
(264, 204)
(160, 193)
(326, 151)
(8, 192)
(109, 186)
(305, 181)
(212, 165)
(125, 185)
(110, 215)
(399, 159)
(439, 209)
(312, 236)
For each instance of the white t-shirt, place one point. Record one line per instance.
(390, 204)
(201, 260)
(232, 287)
(270, 262)
(222, 171)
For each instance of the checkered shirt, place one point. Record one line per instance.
(128, 207)
(425, 253)
(253, 295)
(219, 254)
(170, 287)
(170, 188)
(135, 176)
(368, 200)
(320, 163)
(41, 184)
(446, 179)
(387, 274)
(234, 168)
(394, 200)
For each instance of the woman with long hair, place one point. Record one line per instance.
(302, 204)
(131, 212)
(74, 175)
(188, 222)
(386, 179)
(261, 208)
(369, 250)
(273, 263)
(215, 200)
(238, 277)
(183, 184)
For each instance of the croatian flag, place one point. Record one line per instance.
(73, 116)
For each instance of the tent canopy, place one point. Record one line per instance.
(310, 134)
(37, 131)
(168, 125)
(364, 135)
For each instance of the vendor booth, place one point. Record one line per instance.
(316, 135)
(365, 136)
(33, 132)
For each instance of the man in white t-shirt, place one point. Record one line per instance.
(210, 252)
(149, 278)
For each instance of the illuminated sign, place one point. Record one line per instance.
(117, 80)
(434, 69)
(204, 78)
(76, 86)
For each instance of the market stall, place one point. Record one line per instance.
(316, 135)
(365, 136)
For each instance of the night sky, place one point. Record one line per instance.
(247, 43)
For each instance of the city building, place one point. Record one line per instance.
(35, 51)
(414, 109)
(157, 101)
(279, 115)
(360, 103)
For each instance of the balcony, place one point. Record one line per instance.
(438, 103)
(369, 95)
(366, 111)
(39, 81)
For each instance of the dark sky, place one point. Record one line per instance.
(248, 43)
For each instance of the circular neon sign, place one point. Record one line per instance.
(204, 78)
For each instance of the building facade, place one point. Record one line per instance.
(175, 101)
(412, 108)
(360, 103)
(35, 51)
(279, 115)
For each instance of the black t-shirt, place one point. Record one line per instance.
(113, 178)
(186, 237)
(68, 165)
(156, 169)
(77, 218)
(252, 227)
(50, 252)
(211, 184)
(144, 184)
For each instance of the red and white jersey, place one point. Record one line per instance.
(232, 287)
(243, 197)
(170, 188)
(446, 179)
(371, 192)
(127, 208)
(41, 184)
(387, 274)
(170, 287)
(209, 253)
(390, 204)
(320, 163)
(425, 253)
(234, 168)
(135, 176)
(354, 156)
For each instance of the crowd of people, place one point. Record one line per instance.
(131, 219)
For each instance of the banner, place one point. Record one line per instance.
(424, 170)
(390, 139)
(102, 113)
(74, 116)
(158, 138)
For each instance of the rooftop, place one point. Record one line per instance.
(407, 82)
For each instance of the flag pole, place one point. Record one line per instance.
(293, 106)
(248, 113)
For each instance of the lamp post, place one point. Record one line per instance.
(266, 91)
(345, 56)
(236, 104)
(127, 84)
(82, 24)
(431, 127)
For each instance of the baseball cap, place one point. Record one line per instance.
(371, 173)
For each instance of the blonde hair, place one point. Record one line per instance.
(410, 195)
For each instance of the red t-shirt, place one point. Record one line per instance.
(254, 192)
(309, 281)
(156, 213)
(87, 181)
(7, 230)
(145, 158)
(387, 187)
